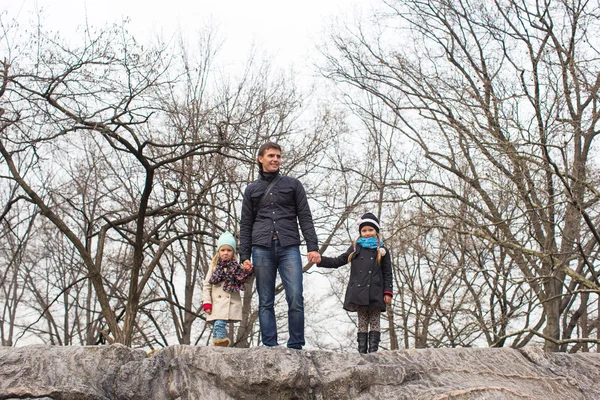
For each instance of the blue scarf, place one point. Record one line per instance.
(368, 243)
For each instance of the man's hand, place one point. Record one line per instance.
(247, 265)
(314, 257)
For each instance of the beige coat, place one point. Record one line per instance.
(225, 306)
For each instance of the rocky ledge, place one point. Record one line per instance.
(187, 372)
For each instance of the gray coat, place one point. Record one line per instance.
(368, 280)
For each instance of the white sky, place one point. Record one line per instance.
(285, 30)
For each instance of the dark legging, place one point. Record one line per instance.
(368, 316)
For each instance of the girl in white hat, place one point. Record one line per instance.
(370, 286)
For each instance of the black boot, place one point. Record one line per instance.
(362, 342)
(374, 338)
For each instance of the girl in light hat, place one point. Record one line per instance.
(221, 289)
(370, 285)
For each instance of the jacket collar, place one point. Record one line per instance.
(269, 176)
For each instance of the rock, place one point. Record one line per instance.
(67, 373)
(188, 372)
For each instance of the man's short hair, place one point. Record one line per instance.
(262, 149)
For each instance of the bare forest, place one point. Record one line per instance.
(467, 127)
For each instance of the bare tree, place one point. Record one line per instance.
(16, 225)
(139, 158)
(58, 97)
(454, 290)
(500, 98)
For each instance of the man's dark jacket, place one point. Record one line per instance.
(286, 206)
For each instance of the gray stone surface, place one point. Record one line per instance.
(69, 373)
(187, 372)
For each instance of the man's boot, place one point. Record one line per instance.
(221, 342)
(362, 342)
(374, 338)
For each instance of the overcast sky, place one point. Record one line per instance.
(285, 30)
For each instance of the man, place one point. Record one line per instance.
(272, 207)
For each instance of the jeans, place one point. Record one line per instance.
(267, 261)
(219, 329)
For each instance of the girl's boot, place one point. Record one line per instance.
(221, 342)
(362, 342)
(374, 339)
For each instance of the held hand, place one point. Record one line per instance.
(314, 257)
(387, 299)
(248, 266)
(208, 311)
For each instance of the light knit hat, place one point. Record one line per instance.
(228, 239)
